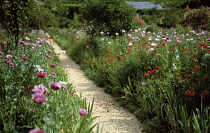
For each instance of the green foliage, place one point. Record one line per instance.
(73, 8)
(108, 16)
(14, 16)
(42, 18)
(160, 76)
(19, 113)
(171, 17)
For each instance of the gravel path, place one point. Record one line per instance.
(114, 118)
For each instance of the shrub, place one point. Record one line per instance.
(171, 17)
(108, 16)
(42, 18)
(197, 18)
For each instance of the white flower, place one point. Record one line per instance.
(28, 38)
(63, 82)
(151, 49)
(153, 44)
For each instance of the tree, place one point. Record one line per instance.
(14, 16)
(111, 16)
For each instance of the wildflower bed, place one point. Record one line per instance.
(34, 94)
(162, 77)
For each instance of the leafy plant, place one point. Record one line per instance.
(108, 16)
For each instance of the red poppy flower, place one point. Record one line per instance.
(128, 52)
(195, 85)
(149, 67)
(105, 63)
(158, 67)
(170, 49)
(153, 71)
(146, 74)
(190, 92)
(163, 44)
(203, 45)
(205, 92)
(194, 56)
(179, 78)
(197, 67)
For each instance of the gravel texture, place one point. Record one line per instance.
(114, 118)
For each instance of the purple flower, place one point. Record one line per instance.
(41, 74)
(24, 57)
(158, 54)
(83, 112)
(40, 89)
(63, 82)
(22, 42)
(64, 87)
(39, 42)
(48, 56)
(36, 131)
(38, 98)
(208, 39)
(39, 68)
(1, 53)
(49, 51)
(52, 65)
(9, 57)
(5, 61)
(143, 83)
(53, 74)
(48, 42)
(55, 85)
(10, 63)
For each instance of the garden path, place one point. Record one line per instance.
(114, 118)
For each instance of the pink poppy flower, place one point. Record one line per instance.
(52, 65)
(49, 51)
(5, 61)
(158, 54)
(55, 85)
(143, 83)
(22, 42)
(39, 42)
(38, 98)
(36, 131)
(64, 87)
(83, 112)
(24, 57)
(48, 56)
(10, 63)
(9, 57)
(40, 89)
(1, 53)
(53, 73)
(41, 74)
